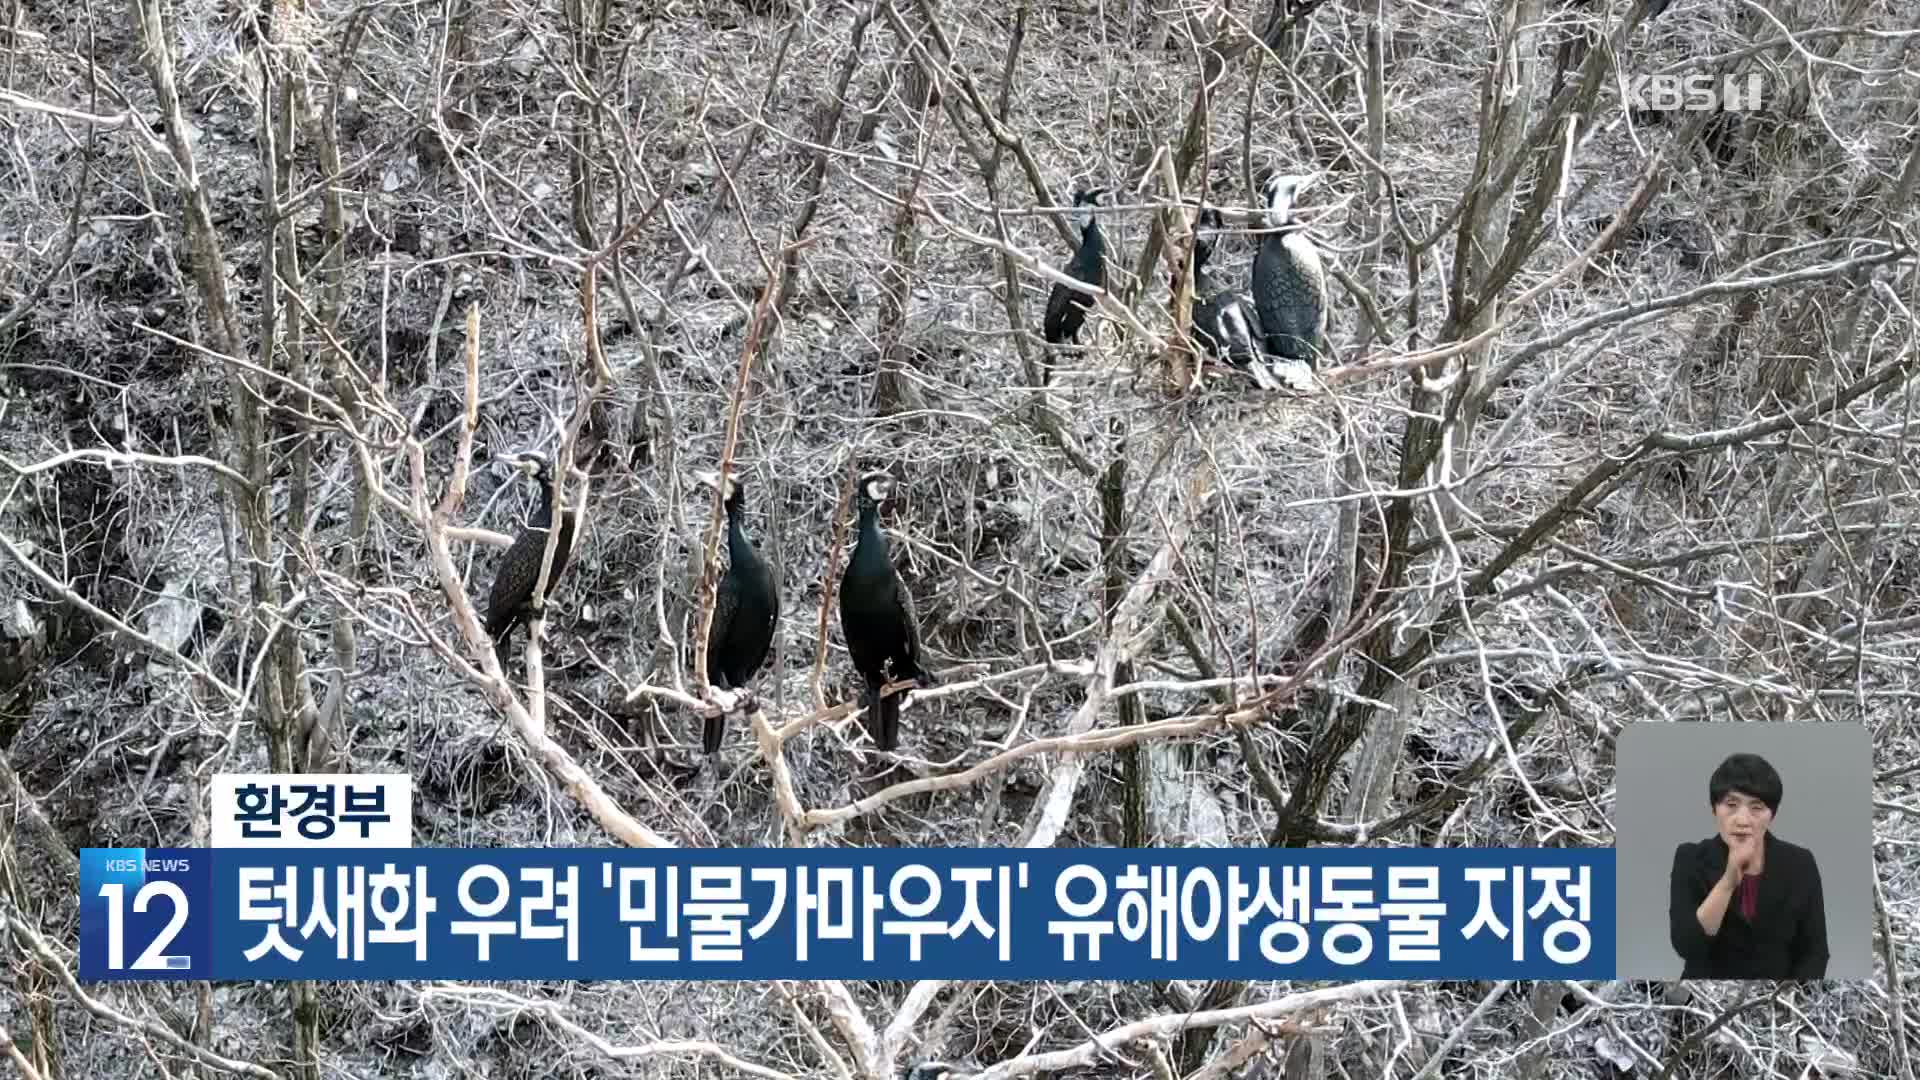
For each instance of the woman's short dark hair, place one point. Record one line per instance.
(1748, 774)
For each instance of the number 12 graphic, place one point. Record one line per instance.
(155, 903)
(152, 958)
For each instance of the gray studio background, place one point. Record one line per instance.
(1661, 772)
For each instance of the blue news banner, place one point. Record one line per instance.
(770, 913)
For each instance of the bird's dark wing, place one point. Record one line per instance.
(1089, 265)
(910, 632)
(1287, 293)
(513, 581)
(1316, 274)
(726, 602)
(773, 609)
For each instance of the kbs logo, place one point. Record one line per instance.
(1693, 93)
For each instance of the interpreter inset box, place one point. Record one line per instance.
(1744, 851)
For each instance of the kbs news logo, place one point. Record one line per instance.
(1693, 93)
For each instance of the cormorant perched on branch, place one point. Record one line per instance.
(746, 610)
(1289, 285)
(509, 602)
(877, 617)
(1067, 307)
(1224, 320)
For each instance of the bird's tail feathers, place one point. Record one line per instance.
(883, 717)
(716, 726)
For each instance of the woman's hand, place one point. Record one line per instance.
(1743, 857)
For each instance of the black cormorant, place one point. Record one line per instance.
(1289, 284)
(876, 615)
(1067, 307)
(746, 610)
(1224, 320)
(509, 602)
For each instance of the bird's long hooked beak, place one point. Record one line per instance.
(708, 477)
